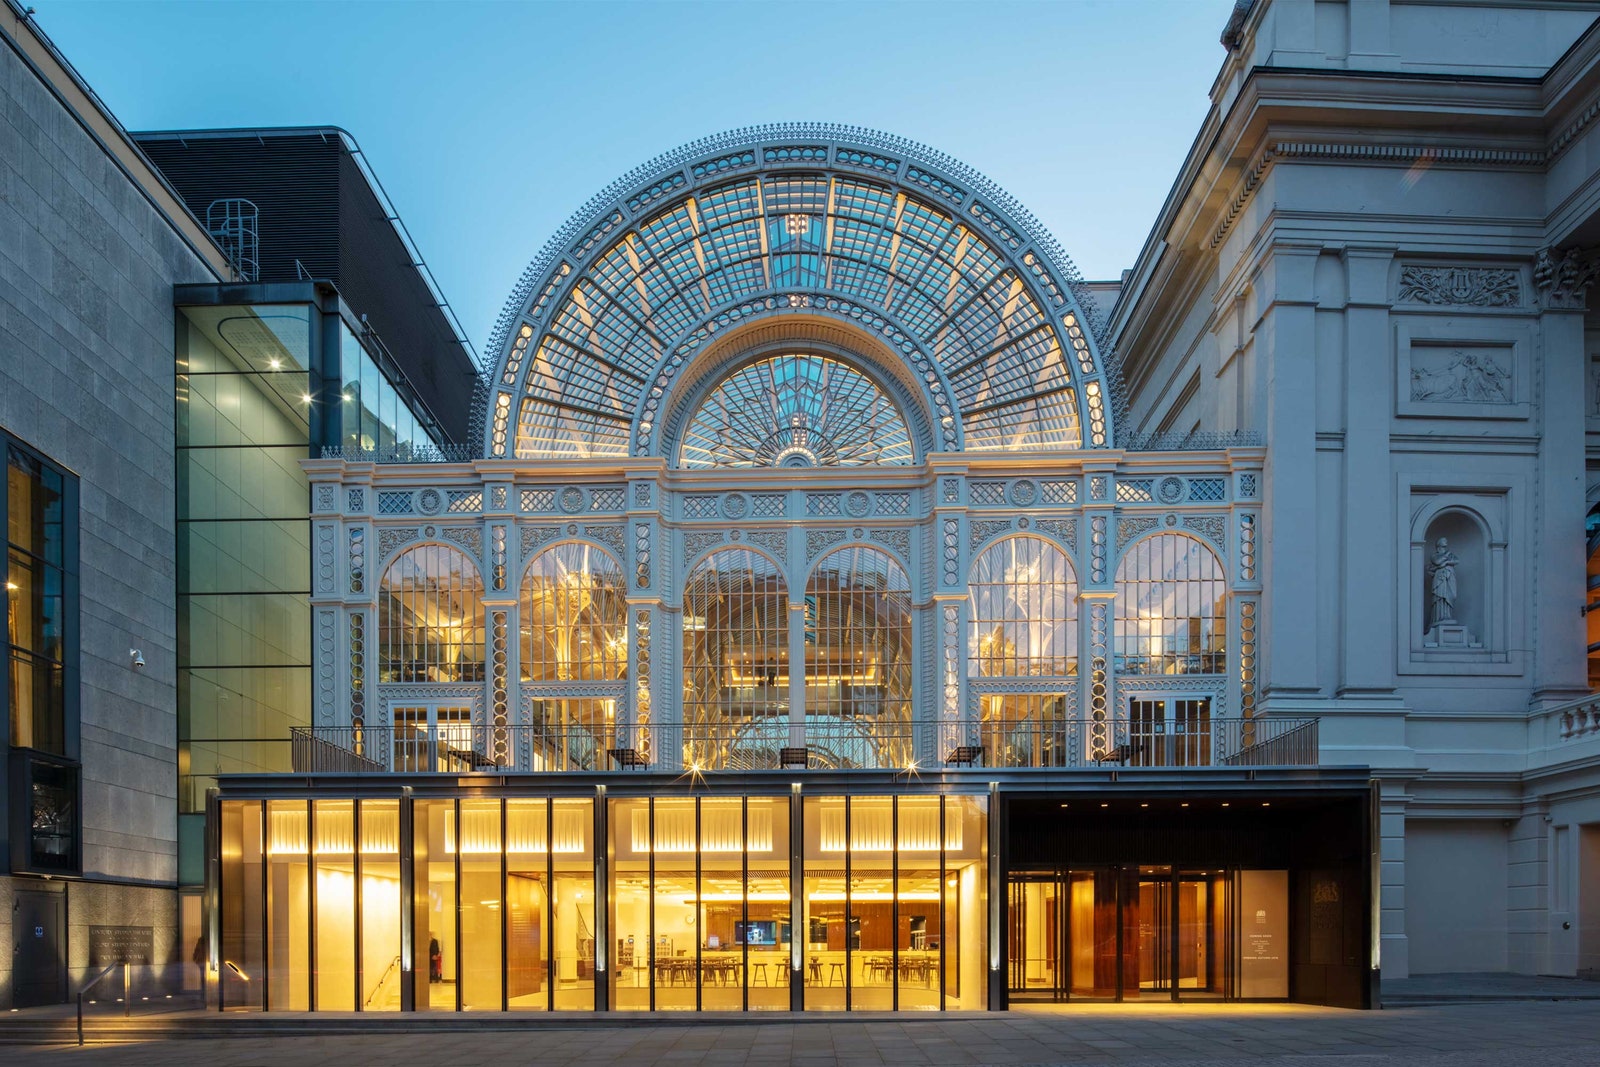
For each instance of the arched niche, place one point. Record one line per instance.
(1455, 581)
(1488, 531)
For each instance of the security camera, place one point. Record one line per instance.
(137, 658)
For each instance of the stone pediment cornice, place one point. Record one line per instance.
(1337, 117)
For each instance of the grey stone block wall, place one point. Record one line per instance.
(87, 267)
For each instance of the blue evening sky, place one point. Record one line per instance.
(490, 123)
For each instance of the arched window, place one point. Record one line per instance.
(858, 658)
(1171, 614)
(799, 410)
(1024, 625)
(1024, 611)
(574, 616)
(430, 617)
(735, 645)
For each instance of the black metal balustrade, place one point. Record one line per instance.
(836, 744)
(1131, 742)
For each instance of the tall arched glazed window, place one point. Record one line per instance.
(574, 616)
(858, 657)
(1171, 608)
(1024, 611)
(1024, 625)
(735, 642)
(430, 617)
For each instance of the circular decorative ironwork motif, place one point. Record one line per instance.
(1170, 490)
(429, 501)
(429, 531)
(571, 499)
(796, 410)
(735, 506)
(858, 503)
(1023, 493)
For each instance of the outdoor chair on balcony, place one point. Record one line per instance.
(1121, 753)
(628, 758)
(964, 756)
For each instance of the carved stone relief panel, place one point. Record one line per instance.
(1491, 287)
(1462, 370)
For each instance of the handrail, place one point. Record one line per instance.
(127, 996)
(387, 971)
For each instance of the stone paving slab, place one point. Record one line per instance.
(1526, 1034)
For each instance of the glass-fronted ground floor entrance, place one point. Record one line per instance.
(840, 891)
(1147, 932)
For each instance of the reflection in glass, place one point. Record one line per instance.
(1171, 608)
(336, 905)
(430, 617)
(735, 661)
(858, 660)
(528, 929)
(1024, 610)
(34, 499)
(822, 925)
(797, 410)
(574, 901)
(720, 903)
(245, 945)
(288, 904)
(381, 972)
(766, 936)
(672, 831)
(243, 537)
(628, 896)
(482, 933)
(574, 616)
(435, 957)
(1026, 730)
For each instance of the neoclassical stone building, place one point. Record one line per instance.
(1379, 255)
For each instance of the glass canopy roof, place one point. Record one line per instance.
(592, 348)
(795, 411)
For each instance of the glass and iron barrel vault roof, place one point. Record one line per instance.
(941, 269)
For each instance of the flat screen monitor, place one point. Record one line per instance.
(762, 932)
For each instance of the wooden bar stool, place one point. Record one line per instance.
(758, 974)
(835, 968)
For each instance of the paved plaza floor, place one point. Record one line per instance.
(1508, 1034)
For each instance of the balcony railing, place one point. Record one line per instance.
(817, 744)
(1563, 733)
(1208, 742)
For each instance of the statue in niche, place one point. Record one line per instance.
(1468, 378)
(1442, 583)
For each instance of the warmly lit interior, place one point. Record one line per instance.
(500, 913)
(1148, 932)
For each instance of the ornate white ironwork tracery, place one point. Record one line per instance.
(795, 410)
(858, 224)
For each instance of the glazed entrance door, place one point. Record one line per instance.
(433, 737)
(1062, 940)
(1119, 933)
(1037, 937)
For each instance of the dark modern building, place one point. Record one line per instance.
(296, 205)
(161, 383)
